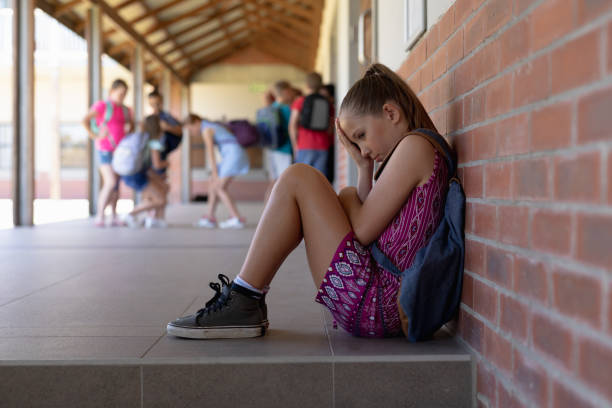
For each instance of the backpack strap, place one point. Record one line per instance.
(442, 146)
(384, 261)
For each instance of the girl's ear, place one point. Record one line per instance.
(392, 112)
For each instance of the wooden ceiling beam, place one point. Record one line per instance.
(306, 14)
(112, 14)
(166, 23)
(301, 25)
(195, 26)
(65, 7)
(208, 44)
(220, 54)
(284, 31)
(147, 14)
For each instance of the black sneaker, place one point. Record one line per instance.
(233, 312)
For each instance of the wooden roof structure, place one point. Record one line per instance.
(184, 36)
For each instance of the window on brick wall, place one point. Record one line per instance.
(6, 145)
(73, 139)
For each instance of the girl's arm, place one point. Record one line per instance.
(158, 163)
(293, 129)
(130, 121)
(87, 123)
(176, 130)
(410, 165)
(209, 144)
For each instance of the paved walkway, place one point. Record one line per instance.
(74, 294)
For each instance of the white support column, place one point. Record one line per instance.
(137, 68)
(23, 112)
(94, 88)
(185, 148)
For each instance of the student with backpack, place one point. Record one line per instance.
(234, 162)
(361, 243)
(273, 126)
(311, 125)
(172, 131)
(107, 123)
(135, 158)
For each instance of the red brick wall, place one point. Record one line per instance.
(524, 90)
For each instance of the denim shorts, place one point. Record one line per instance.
(314, 158)
(105, 157)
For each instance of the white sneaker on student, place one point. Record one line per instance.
(151, 222)
(232, 223)
(131, 221)
(206, 222)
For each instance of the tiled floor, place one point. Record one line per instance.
(81, 306)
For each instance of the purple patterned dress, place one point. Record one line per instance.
(361, 294)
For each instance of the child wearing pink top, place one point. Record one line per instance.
(107, 122)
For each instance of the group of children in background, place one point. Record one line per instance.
(304, 134)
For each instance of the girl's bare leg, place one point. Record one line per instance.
(152, 199)
(109, 180)
(225, 197)
(302, 205)
(213, 199)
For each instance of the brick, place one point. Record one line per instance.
(463, 9)
(498, 96)
(610, 310)
(439, 120)
(454, 119)
(521, 5)
(594, 237)
(515, 43)
(497, 14)
(488, 61)
(499, 180)
(530, 378)
(469, 218)
(426, 74)
(462, 144)
(439, 62)
(590, 9)
(415, 83)
(446, 85)
(566, 73)
(485, 300)
(563, 397)
(464, 77)
(594, 119)
(513, 318)
(467, 291)
(507, 399)
(551, 232)
(445, 26)
(577, 296)
(595, 365)
(474, 107)
(499, 266)
(609, 42)
(483, 142)
(474, 32)
(577, 178)
(609, 161)
(485, 220)
(472, 181)
(485, 381)
(552, 340)
(531, 81)
(455, 48)
(474, 256)
(513, 135)
(471, 330)
(433, 40)
(514, 225)
(498, 350)
(551, 127)
(531, 178)
(551, 20)
(530, 279)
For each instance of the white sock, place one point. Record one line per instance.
(239, 281)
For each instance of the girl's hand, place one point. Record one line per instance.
(353, 149)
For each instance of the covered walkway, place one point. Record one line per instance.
(83, 313)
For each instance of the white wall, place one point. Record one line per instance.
(390, 22)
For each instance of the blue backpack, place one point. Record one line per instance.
(430, 289)
(270, 127)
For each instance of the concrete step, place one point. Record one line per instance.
(83, 314)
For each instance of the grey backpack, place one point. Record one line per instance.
(131, 154)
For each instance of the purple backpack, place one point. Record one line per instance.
(246, 134)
